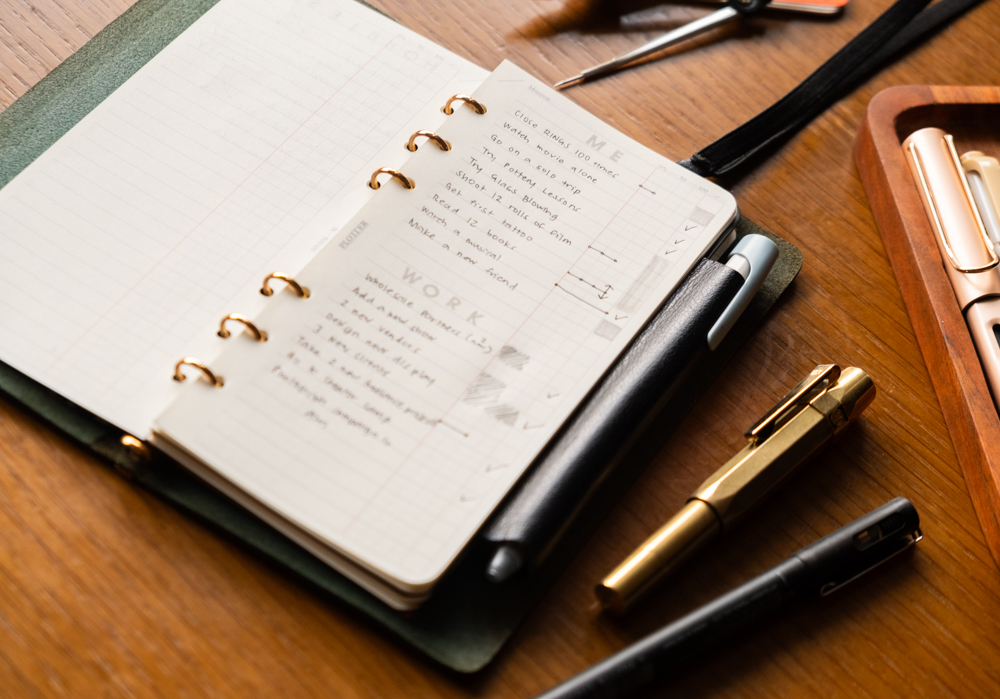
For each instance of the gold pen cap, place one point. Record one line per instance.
(808, 416)
(846, 399)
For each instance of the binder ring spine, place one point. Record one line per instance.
(258, 334)
(265, 290)
(411, 145)
(137, 448)
(478, 107)
(213, 379)
(396, 175)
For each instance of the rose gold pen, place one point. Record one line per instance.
(970, 257)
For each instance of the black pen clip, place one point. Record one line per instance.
(899, 545)
(865, 543)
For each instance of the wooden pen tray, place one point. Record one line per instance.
(972, 116)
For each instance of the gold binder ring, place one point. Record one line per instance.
(258, 334)
(191, 361)
(477, 106)
(136, 447)
(431, 136)
(411, 145)
(396, 175)
(301, 291)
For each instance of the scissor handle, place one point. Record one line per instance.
(748, 7)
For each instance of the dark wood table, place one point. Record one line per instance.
(106, 591)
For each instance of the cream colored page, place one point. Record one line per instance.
(234, 152)
(452, 328)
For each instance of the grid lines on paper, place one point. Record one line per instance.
(170, 197)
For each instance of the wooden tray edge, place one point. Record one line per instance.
(944, 340)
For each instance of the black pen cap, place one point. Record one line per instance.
(838, 558)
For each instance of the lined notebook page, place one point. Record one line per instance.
(451, 330)
(232, 153)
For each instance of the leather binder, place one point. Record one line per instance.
(468, 619)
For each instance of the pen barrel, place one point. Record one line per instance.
(817, 569)
(676, 541)
(746, 479)
(633, 668)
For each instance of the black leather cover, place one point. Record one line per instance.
(592, 442)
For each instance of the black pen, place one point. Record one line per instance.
(818, 569)
(587, 451)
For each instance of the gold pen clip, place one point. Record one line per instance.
(936, 216)
(818, 381)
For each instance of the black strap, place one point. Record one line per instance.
(903, 24)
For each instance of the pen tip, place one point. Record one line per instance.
(568, 81)
(506, 561)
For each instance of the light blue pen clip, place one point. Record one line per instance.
(753, 257)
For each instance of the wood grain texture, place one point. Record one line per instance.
(108, 592)
(971, 115)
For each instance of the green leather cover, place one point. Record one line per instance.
(468, 619)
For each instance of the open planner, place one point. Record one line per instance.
(443, 289)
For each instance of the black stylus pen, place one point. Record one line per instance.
(818, 569)
(588, 452)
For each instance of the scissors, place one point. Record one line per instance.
(733, 9)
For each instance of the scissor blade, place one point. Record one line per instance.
(678, 35)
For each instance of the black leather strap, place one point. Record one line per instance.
(902, 25)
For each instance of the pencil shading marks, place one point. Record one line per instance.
(485, 393)
(504, 413)
(513, 358)
(644, 284)
(701, 217)
(484, 390)
(607, 330)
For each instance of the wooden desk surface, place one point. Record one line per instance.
(106, 591)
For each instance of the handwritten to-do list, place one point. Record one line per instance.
(452, 329)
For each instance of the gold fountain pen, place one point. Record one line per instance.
(819, 407)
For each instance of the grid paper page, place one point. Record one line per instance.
(233, 152)
(452, 329)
